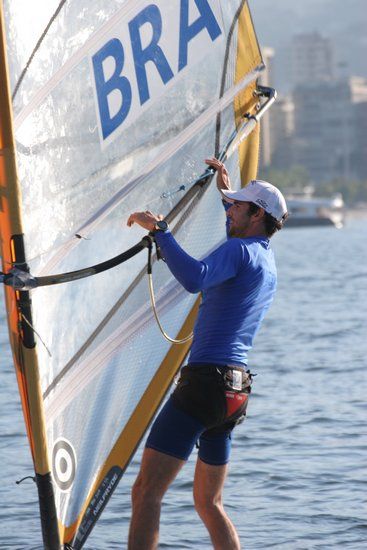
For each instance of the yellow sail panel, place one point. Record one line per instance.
(248, 57)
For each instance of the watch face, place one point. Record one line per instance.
(162, 225)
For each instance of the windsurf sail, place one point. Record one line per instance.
(107, 108)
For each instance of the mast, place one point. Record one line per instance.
(19, 309)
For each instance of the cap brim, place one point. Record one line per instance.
(240, 195)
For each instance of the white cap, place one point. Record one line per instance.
(262, 193)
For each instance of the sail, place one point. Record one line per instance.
(108, 108)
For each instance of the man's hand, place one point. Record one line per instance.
(223, 181)
(146, 219)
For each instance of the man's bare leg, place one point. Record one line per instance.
(157, 471)
(208, 487)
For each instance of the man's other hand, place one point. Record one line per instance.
(223, 181)
(146, 219)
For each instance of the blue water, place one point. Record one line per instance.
(299, 462)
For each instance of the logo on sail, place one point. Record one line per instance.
(63, 464)
(145, 54)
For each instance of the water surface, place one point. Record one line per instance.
(298, 471)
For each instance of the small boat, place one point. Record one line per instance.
(307, 210)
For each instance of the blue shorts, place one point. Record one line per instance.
(202, 410)
(175, 433)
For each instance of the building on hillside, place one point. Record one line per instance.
(312, 59)
(327, 128)
(281, 122)
(323, 126)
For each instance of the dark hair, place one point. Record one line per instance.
(271, 224)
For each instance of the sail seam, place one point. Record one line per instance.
(36, 48)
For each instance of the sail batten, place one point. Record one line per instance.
(143, 93)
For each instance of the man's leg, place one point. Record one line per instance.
(168, 446)
(157, 472)
(208, 485)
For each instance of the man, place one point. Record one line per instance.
(237, 282)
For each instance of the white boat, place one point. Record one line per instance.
(307, 210)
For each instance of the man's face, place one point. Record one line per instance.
(239, 219)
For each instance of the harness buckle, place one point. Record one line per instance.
(238, 380)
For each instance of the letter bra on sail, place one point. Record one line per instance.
(128, 74)
(114, 110)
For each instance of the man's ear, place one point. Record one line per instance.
(259, 214)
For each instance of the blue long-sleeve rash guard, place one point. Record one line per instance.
(237, 282)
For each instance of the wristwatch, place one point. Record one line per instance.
(161, 225)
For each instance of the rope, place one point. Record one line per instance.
(152, 301)
(24, 478)
(36, 333)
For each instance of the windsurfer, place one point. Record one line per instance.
(238, 282)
